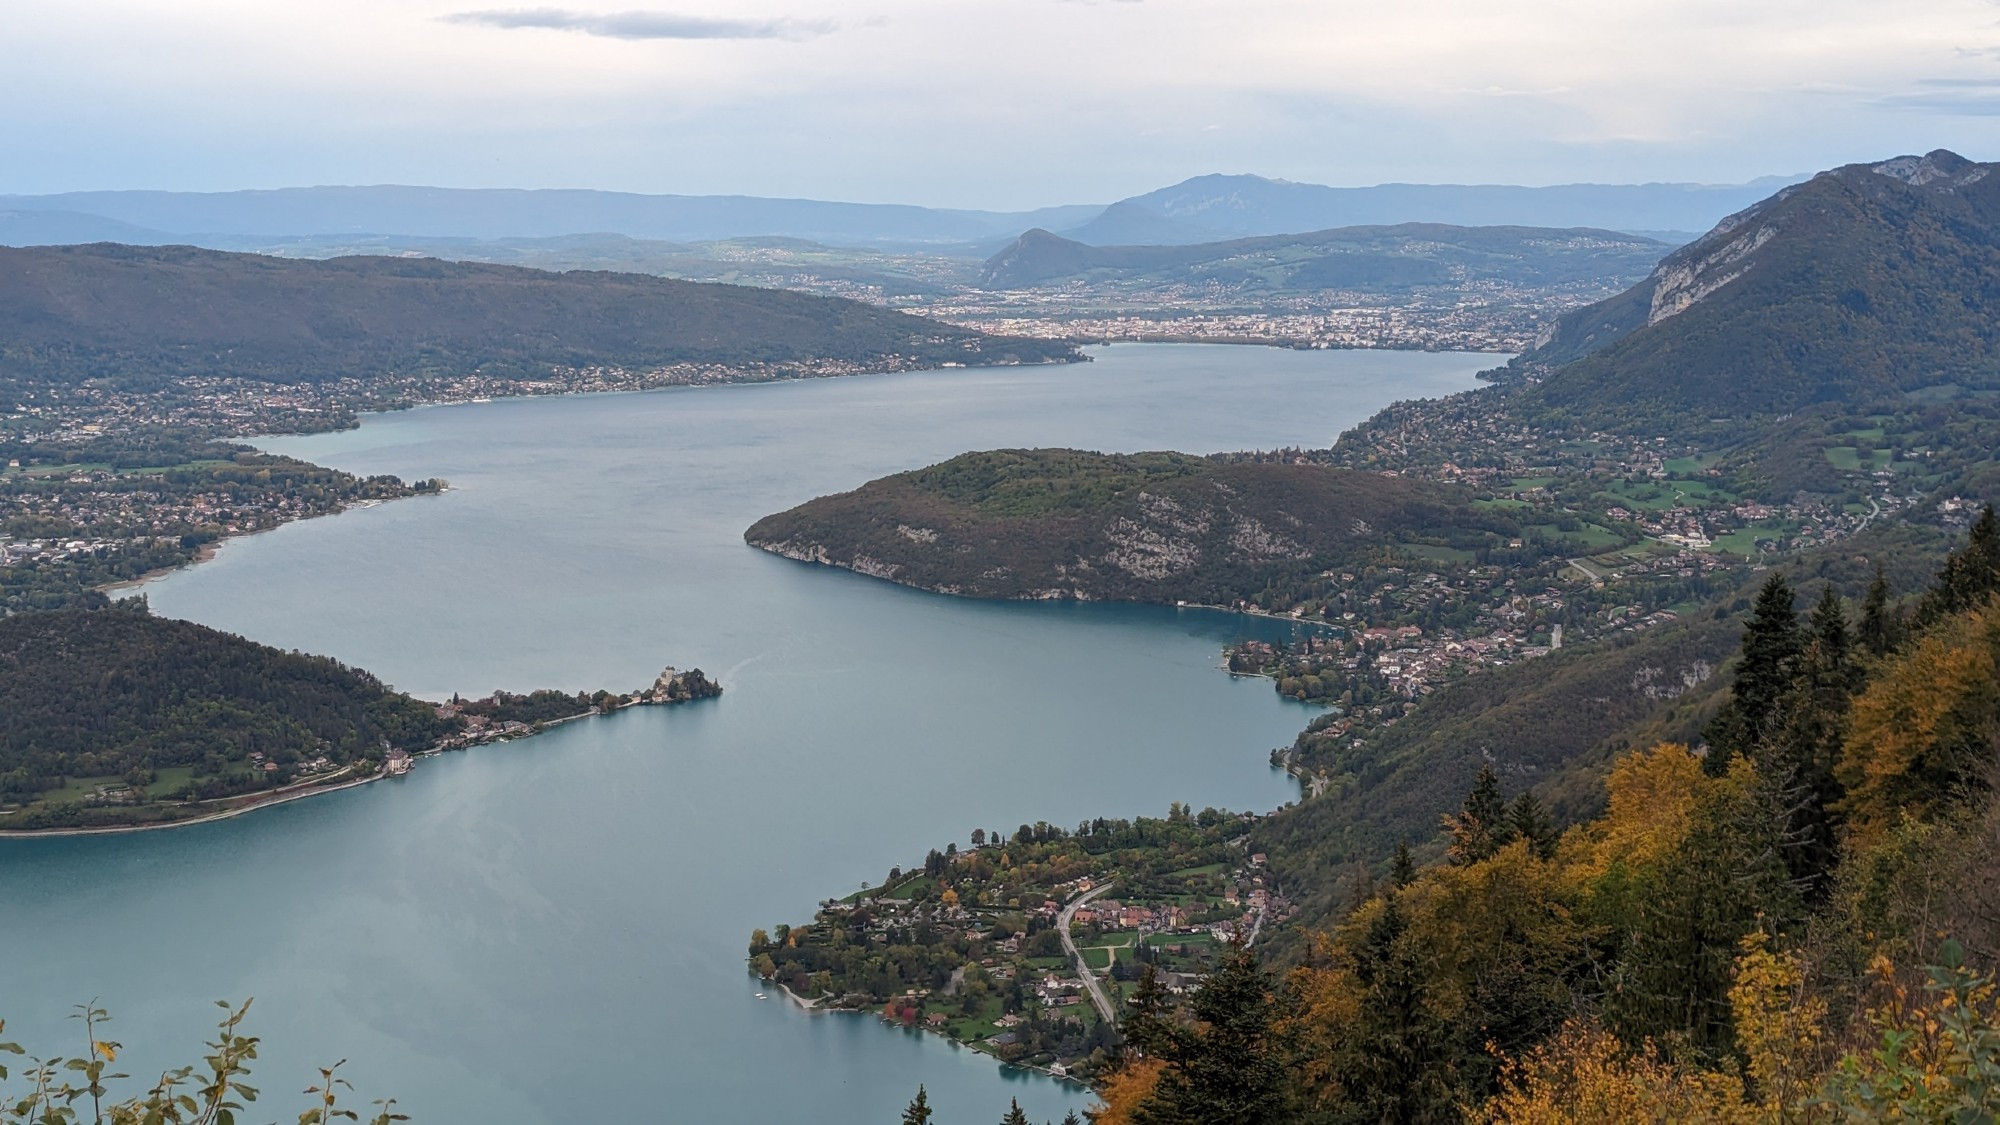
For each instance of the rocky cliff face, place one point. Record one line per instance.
(1826, 292)
(1040, 524)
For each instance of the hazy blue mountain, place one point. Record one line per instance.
(511, 213)
(1131, 223)
(68, 228)
(1208, 208)
(1204, 209)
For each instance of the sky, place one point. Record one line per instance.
(1000, 104)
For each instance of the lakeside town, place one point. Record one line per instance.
(1027, 946)
(101, 486)
(1469, 318)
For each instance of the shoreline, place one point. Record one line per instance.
(250, 806)
(209, 550)
(202, 554)
(812, 1008)
(252, 802)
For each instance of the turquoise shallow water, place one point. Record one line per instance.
(553, 930)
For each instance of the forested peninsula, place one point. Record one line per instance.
(117, 718)
(1063, 523)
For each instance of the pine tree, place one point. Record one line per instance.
(1361, 887)
(1393, 1065)
(1726, 878)
(1879, 627)
(1014, 1114)
(1403, 869)
(1772, 643)
(1529, 822)
(919, 1112)
(1797, 765)
(1223, 1065)
(1145, 1027)
(1071, 1118)
(1969, 576)
(1481, 827)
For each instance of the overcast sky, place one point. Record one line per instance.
(979, 103)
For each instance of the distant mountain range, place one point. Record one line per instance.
(1213, 208)
(1203, 209)
(1371, 258)
(508, 213)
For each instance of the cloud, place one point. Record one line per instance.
(642, 24)
(1956, 97)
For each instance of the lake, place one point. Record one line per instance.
(554, 929)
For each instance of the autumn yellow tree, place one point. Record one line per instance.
(1926, 728)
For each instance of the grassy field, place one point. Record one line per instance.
(168, 780)
(40, 471)
(1429, 553)
(1743, 541)
(1685, 465)
(978, 1025)
(1587, 539)
(1847, 459)
(911, 888)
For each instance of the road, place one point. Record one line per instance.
(1090, 985)
(1257, 927)
(1587, 572)
(1875, 509)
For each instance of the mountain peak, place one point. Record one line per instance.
(1825, 292)
(1036, 255)
(1931, 168)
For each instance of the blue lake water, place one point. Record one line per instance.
(553, 930)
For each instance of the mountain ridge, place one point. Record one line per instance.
(1164, 215)
(1218, 206)
(122, 312)
(1869, 281)
(1039, 524)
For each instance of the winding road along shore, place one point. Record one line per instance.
(1089, 978)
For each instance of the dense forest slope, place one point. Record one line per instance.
(1867, 282)
(1795, 925)
(118, 693)
(1158, 527)
(1553, 725)
(115, 717)
(144, 314)
(1370, 259)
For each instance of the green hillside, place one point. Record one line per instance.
(1155, 527)
(1870, 282)
(170, 709)
(1384, 259)
(143, 316)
